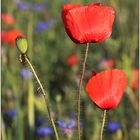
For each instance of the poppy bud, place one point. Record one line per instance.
(92, 23)
(22, 44)
(107, 88)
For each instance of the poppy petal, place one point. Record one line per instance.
(106, 88)
(9, 37)
(91, 23)
(68, 7)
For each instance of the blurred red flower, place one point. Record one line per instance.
(135, 80)
(9, 37)
(107, 88)
(106, 63)
(7, 19)
(4, 35)
(72, 60)
(92, 23)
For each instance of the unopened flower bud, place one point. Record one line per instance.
(21, 44)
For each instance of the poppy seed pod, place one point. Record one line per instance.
(107, 88)
(22, 45)
(92, 23)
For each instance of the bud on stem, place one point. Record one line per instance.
(21, 44)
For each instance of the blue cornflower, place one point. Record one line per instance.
(11, 113)
(70, 124)
(67, 128)
(61, 124)
(23, 5)
(43, 25)
(112, 127)
(38, 7)
(44, 131)
(25, 73)
(40, 121)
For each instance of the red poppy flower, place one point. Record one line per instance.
(92, 23)
(106, 63)
(9, 37)
(72, 60)
(7, 19)
(135, 80)
(107, 88)
(4, 35)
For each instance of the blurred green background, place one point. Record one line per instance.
(49, 50)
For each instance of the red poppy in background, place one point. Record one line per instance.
(135, 80)
(107, 88)
(7, 19)
(106, 63)
(72, 60)
(9, 37)
(92, 23)
(4, 35)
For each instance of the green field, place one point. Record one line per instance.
(24, 115)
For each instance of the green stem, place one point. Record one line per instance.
(79, 90)
(3, 132)
(31, 109)
(69, 138)
(9, 134)
(20, 116)
(103, 124)
(30, 34)
(132, 99)
(45, 97)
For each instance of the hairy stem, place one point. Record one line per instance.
(103, 124)
(79, 90)
(45, 97)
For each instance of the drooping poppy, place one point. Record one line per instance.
(72, 60)
(9, 37)
(92, 23)
(107, 88)
(7, 19)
